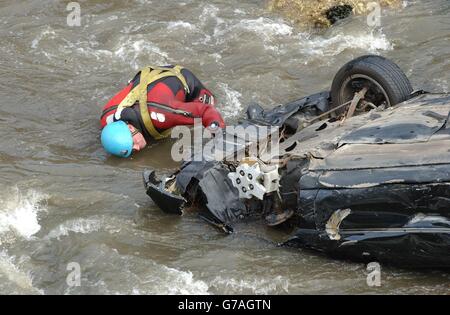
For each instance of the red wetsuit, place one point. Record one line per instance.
(168, 91)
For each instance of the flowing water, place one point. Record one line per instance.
(63, 200)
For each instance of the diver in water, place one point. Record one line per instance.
(156, 100)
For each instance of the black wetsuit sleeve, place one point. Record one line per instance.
(195, 85)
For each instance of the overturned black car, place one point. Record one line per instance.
(363, 171)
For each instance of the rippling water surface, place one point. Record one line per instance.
(62, 199)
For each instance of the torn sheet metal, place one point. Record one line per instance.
(333, 225)
(280, 114)
(207, 186)
(166, 201)
(222, 198)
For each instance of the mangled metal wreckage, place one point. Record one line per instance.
(367, 187)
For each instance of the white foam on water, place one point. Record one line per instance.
(116, 273)
(266, 28)
(255, 285)
(217, 57)
(129, 51)
(85, 226)
(182, 282)
(269, 31)
(13, 273)
(19, 213)
(158, 281)
(231, 104)
(82, 226)
(320, 46)
(132, 50)
(144, 1)
(180, 24)
(110, 18)
(210, 13)
(47, 32)
(99, 54)
(166, 281)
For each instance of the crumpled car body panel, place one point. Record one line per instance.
(375, 187)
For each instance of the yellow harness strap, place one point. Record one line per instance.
(139, 94)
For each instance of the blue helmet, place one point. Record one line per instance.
(117, 139)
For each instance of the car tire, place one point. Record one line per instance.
(387, 83)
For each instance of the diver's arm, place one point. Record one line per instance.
(208, 114)
(198, 92)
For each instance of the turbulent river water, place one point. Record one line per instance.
(63, 200)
